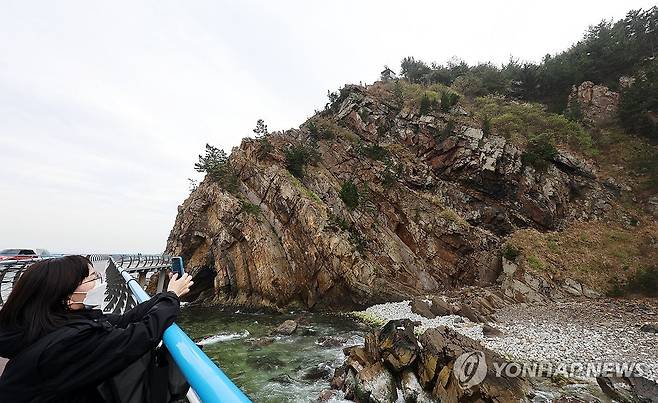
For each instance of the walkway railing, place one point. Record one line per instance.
(207, 381)
(10, 272)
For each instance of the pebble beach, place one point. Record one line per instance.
(563, 333)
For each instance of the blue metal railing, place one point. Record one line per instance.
(204, 377)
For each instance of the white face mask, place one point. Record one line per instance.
(94, 297)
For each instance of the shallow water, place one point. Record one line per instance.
(291, 369)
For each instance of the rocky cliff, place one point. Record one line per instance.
(436, 199)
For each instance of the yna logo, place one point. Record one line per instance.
(470, 368)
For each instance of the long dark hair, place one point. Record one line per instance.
(38, 304)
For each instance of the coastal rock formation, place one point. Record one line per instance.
(436, 199)
(435, 371)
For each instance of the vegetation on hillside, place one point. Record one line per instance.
(298, 156)
(216, 164)
(607, 51)
(638, 110)
(603, 255)
(523, 121)
(349, 194)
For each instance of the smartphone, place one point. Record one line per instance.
(177, 266)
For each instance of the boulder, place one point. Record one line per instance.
(326, 395)
(440, 307)
(397, 344)
(357, 358)
(371, 345)
(260, 341)
(468, 312)
(320, 371)
(441, 351)
(350, 383)
(338, 380)
(411, 389)
(376, 385)
(490, 331)
(286, 328)
(649, 327)
(619, 389)
(331, 341)
(422, 308)
(282, 378)
(573, 287)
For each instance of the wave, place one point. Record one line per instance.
(218, 338)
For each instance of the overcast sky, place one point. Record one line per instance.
(105, 105)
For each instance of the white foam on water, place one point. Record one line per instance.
(218, 338)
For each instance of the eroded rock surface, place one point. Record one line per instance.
(598, 104)
(432, 213)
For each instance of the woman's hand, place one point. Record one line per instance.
(179, 286)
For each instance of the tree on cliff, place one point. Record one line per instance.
(216, 164)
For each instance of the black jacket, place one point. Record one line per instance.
(68, 364)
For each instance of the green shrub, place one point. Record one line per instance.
(265, 146)
(645, 162)
(424, 104)
(616, 288)
(338, 222)
(448, 100)
(249, 208)
(391, 175)
(355, 236)
(350, 195)
(450, 215)
(469, 85)
(321, 129)
(357, 240)
(509, 125)
(511, 252)
(429, 101)
(645, 282)
(398, 93)
(261, 135)
(518, 121)
(574, 112)
(535, 262)
(374, 151)
(216, 164)
(363, 114)
(539, 152)
(413, 70)
(298, 157)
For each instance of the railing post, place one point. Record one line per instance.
(161, 280)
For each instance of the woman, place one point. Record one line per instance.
(59, 350)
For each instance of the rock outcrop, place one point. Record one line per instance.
(439, 366)
(434, 208)
(597, 103)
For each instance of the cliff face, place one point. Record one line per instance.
(432, 215)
